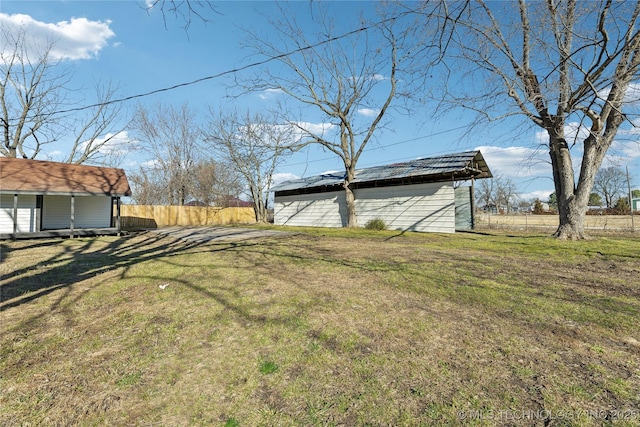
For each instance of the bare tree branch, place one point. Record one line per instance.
(255, 145)
(184, 11)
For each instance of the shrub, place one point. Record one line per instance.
(375, 224)
(538, 209)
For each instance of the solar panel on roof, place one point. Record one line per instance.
(468, 162)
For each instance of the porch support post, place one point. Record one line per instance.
(118, 215)
(73, 213)
(473, 203)
(15, 216)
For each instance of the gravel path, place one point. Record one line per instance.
(217, 233)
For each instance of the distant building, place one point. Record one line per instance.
(234, 202)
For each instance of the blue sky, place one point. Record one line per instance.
(119, 41)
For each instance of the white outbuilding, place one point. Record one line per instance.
(39, 198)
(430, 195)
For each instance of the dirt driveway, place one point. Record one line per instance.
(216, 233)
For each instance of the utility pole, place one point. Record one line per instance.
(633, 228)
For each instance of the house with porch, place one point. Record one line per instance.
(45, 199)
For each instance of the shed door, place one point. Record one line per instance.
(464, 213)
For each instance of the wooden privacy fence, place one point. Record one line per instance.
(145, 216)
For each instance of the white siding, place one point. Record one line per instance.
(89, 212)
(93, 212)
(56, 212)
(313, 210)
(418, 207)
(28, 215)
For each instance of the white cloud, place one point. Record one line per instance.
(116, 144)
(631, 96)
(542, 195)
(269, 93)
(150, 164)
(78, 38)
(622, 153)
(130, 164)
(282, 177)
(516, 162)
(575, 132)
(54, 156)
(369, 112)
(319, 129)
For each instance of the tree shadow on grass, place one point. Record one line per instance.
(71, 262)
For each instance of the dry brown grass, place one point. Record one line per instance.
(593, 223)
(325, 327)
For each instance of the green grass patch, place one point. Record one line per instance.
(268, 367)
(232, 422)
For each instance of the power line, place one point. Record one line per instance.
(384, 147)
(235, 70)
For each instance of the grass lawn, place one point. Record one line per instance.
(322, 327)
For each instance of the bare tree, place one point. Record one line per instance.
(174, 141)
(506, 193)
(557, 63)
(34, 88)
(212, 183)
(256, 145)
(215, 182)
(610, 183)
(485, 193)
(351, 82)
(498, 191)
(149, 187)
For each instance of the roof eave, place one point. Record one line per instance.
(62, 193)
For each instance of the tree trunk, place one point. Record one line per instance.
(571, 209)
(572, 217)
(350, 197)
(259, 208)
(261, 212)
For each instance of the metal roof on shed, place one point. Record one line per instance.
(458, 166)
